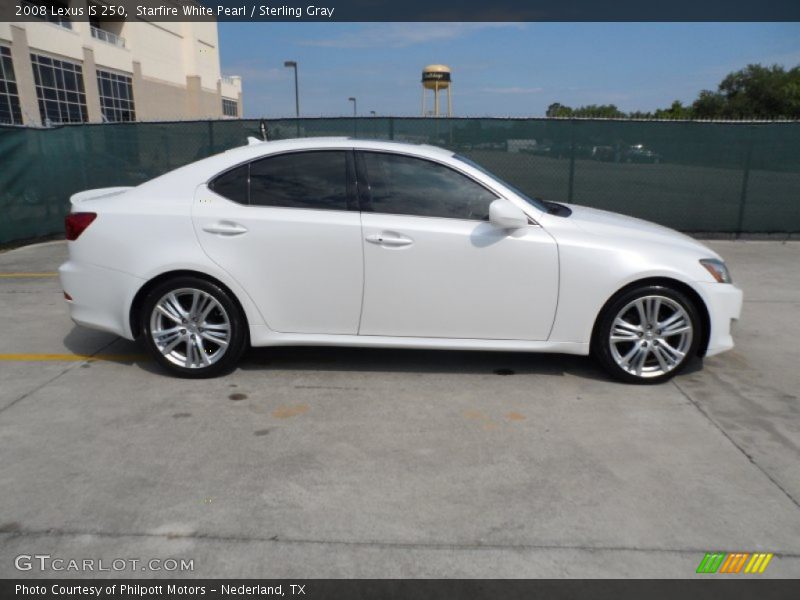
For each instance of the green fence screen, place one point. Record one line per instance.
(692, 176)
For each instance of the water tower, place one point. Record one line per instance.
(436, 78)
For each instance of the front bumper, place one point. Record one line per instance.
(724, 302)
(101, 297)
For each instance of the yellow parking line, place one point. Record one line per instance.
(28, 275)
(69, 357)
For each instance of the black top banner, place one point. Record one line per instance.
(403, 11)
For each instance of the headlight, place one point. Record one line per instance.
(717, 269)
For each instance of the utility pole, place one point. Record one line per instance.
(293, 65)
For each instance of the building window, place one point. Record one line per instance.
(116, 96)
(9, 98)
(230, 108)
(47, 10)
(59, 87)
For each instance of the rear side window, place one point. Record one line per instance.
(301, 180)
(403, 185)
(232, 184)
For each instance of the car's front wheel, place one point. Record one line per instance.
(193, 327)
(647, 334)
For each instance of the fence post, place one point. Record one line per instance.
(571, 182)
(167, 164)
(211, 138)
(391, 128)
(86, 154)
(748, 156)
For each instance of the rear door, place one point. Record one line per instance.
(287, 228)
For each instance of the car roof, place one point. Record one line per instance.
(316, 143)
(201, 171)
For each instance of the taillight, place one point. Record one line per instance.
(76, 223)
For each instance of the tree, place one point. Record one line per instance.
(556, 109)
(755, 92)
(599, 111)
(676, 111)
(596, 111)
(709, 105)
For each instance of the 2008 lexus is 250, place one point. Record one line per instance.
(345, 242)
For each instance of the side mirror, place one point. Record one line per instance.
(504, 215)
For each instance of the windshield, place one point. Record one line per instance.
(535, 202)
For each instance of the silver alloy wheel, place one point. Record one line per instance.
(190, 328)
(650, 336)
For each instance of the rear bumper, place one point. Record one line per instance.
(101, 298)
(724, 303)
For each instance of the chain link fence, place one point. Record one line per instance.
(698, 177)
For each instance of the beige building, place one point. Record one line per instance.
(61, 71)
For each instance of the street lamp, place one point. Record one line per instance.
(355, 114)
(293, 64)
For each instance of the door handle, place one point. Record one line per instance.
(388, 239)
(225, 228)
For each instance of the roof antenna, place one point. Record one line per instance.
(263, 131)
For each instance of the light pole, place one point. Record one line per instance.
(293, 64)
(355, 114)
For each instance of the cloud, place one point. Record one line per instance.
(512, 90)
(252, 72)
(401, 35)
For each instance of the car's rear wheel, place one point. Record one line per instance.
(647, 334)
(193, 327)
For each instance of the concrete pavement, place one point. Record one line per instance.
(311, 462)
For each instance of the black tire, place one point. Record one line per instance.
(604, 350)
(225, 313)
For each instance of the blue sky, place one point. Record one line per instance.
(499, 69)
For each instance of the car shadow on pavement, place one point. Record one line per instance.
(418, 361)
(99, 346)
(107, 347)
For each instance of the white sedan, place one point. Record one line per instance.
(344, 242)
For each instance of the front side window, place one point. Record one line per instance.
(59, 88)
(116, 96)
(535, 202)
(404, 185)
(316, 179)
(9, 96)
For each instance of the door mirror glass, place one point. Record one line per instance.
(505, 215)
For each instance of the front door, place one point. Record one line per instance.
(435, 267)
